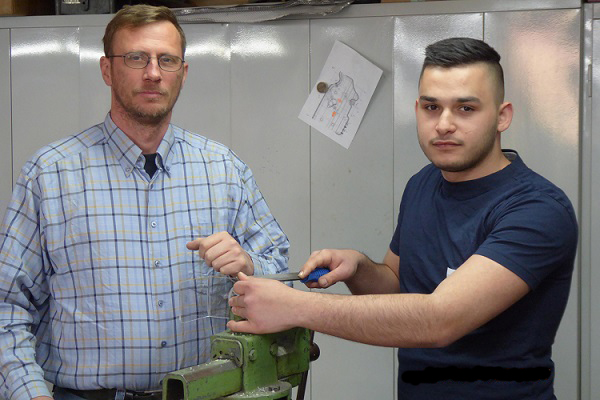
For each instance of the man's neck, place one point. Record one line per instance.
(146, 136)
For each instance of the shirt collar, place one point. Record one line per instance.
(470, 189)
(128, 154)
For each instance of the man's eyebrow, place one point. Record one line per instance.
(470, 99)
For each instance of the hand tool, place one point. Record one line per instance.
(293, 276)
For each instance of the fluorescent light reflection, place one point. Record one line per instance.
(207, 48)
(258, 47)
(90, 54)
(45, 46)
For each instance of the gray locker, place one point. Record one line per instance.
(5, 121)
(245, 88)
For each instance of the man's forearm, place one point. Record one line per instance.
(393, 320)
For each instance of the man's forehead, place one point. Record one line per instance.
(160, 32)
(457, 82)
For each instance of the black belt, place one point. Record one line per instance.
(111, 394)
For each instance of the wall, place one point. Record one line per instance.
(246, 86)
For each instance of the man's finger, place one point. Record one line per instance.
(239, 326)
(239, 311)
(317, 259)
(200, 244)
(237, 301)
(193, 245)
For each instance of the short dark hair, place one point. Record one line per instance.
(137, 16)
(459, 51)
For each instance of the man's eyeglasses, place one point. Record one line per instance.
(139, 60)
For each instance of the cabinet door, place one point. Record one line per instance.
(541, 59)
(595, 218)
(269, 84)
(5, 122)
(352, 201)
(45, 72)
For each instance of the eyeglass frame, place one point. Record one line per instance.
(124, 56)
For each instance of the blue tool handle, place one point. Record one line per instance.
(315, 275)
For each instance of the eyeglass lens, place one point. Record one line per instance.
(141, 60)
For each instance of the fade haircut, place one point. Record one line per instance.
(461, 51)
(137, 16)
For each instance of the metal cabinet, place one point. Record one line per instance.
(245, 88)
(5, 121)
(591, 206)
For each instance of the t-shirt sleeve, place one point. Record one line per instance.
(532, 237)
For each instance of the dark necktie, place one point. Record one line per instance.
(150, 165)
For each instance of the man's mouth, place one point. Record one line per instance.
(151, 93)
(445, 144)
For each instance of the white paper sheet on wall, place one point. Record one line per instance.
(338, 101)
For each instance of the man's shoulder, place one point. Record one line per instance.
(208, 148)
(529, 183)
(66, 148)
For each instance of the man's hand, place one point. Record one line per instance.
(223, 253)
(267, 305)
(42, 398)
(342, 263)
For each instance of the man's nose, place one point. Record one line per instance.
(152, 70)
(445, 123)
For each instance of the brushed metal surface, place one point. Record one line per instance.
(204, 105)
(6, 183)
(352, 202)
(541, 59)
(594, 284)
(269, 81)
(94, 95)
(45, 88)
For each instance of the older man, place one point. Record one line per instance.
(101, 291)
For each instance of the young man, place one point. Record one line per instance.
(477, 276)
(101, 290)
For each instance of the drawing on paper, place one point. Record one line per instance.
(337, 103)
(334, 108)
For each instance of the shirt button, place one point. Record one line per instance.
(153, 224)
(161, 303)
(163, 343)
(157, 263)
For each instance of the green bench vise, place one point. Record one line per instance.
(246, 366)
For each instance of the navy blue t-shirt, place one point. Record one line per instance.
(523, 222)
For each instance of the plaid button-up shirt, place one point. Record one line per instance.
(97, 286)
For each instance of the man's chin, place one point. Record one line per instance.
(148, 117)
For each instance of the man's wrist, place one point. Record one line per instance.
(249, 267)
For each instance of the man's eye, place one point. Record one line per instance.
(136, 57)
(431, 107)
(167, 60)
(467, 108)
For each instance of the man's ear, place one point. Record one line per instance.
(185, 72)
(105, 70)
(505, 116)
